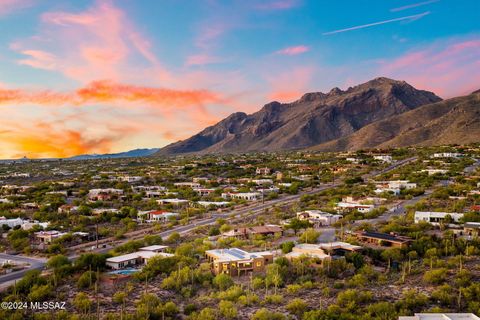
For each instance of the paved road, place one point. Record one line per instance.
(253, 210)
(34, 263)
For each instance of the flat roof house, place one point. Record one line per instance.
(436, 218)
(249, 196)
(319, 218)
(471, 229)
(156, 215)
(383, 239)
(322, 250)
(138, 258)
(235, 261)
(247, 232)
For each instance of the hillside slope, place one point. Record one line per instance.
(452, 121)
(315, 118)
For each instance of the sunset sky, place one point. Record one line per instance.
(104, 76)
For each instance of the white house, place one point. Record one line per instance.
(213, 203)
(263, 171)
(138, 258)
(384, 158)
(204, 191)
(348, 203)
(447, 155)
(249, 196)
(394, 186)
(175, 201)
(318, 218)
(188, 184)
(131, 179)
(11, 222)
(156, 216)
(436, 218)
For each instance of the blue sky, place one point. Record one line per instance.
(103, 76)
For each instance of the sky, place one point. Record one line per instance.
(99, 76)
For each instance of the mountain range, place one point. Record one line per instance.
(379, 113)
(127, 154)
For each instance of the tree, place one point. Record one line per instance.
(297, 224)
(390, 255)
(82, 303)
(287, 246)
(227, 309)
(86, 280)
(120, 297)
(297, 307)
(223, 281)
(309, 236)
(264, 314)
(436, 276)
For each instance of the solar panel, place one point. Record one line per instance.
(237, 253)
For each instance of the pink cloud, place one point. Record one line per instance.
(447, 69)
(10, 6)
(290, 85)
(100, 42)
(277, 4)
(292, 51)
(202, 59)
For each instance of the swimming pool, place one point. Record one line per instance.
(124, 271)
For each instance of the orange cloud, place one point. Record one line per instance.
(109, 91)
(42, 140)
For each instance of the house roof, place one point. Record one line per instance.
(384, 236)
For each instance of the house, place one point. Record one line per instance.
(235, 261)
(11, 223)
(383, 158)
(322, 251)
(46, 237)
(471, 229)
(349, 204)
(247, 232)
(394, 186)
(188, 184)
(249, 196)
(308, 250)
(383, 239)
(213, 203)
(138, 258)
(432, 172)
(66, 209)
(104, 194)
(204, 191)
(131, 179)
(175, 201)
(156, 216)
(261, 182)
(263, 171)
(436, 218)
(447, 155)
(148, 188)
(441, 316)
(319, 218)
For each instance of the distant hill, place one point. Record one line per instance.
(314, 119)
(452, 121)
(127, 154)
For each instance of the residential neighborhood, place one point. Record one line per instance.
(247, 233)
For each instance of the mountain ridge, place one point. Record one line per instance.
(313, 119)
